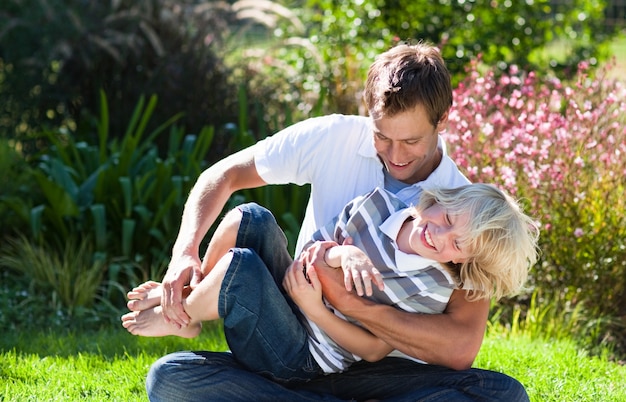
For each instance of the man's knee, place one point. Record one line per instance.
(516, 391)
(192, 376)
(161, 379)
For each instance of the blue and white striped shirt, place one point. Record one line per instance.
(412, 283)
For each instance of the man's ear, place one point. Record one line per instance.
(443, 122)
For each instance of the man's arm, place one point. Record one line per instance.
(205, 202)
(452, 338)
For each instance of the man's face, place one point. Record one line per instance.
(407, 144)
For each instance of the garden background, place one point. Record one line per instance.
(109, 111)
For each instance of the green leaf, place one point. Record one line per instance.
(98, 212)
(36, 214)
(127, 195)
(103, 127)
(128, 231)
(58, 199)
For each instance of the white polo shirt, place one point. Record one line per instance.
(335, 154)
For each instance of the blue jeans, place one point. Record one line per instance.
(270, 359)
(261, 324)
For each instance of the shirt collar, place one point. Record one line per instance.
(404, 262)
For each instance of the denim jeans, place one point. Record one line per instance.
(270, 360)
(261, 324)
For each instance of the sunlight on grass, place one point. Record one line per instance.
(104, 366)
(554, 370)
(618, 49)
(112, 365)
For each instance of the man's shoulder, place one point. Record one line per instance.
(334, 122)
(335, 127)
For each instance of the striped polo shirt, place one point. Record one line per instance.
(412, 283)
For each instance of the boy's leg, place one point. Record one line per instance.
(260, 326)
(262, 330)
(253, 227)
(200, 305)
(224, 238)
(246, 226)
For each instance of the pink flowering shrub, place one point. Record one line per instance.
(561, 149)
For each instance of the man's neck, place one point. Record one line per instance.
(429, 168)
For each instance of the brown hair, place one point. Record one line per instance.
(406, 76)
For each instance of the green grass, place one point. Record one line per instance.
(559, 48)
(618, 49)
(111, 366)
(554, 370)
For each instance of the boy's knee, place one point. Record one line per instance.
(232, 219)
(259, 214)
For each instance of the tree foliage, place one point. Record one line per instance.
(504, 32)
(56, 55)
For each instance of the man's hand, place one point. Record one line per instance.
(334, 289)
(181, 272)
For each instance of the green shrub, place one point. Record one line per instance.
(72, 275)
(122, 194)
(17, 184)
(323, 66)
(56, 55)
(504, 32)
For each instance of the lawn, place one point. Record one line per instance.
(111, 366)
(618, 49)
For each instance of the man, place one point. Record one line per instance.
(408, 95)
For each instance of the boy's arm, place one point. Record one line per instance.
(348, 335)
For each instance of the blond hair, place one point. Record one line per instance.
(501, 239)
(406, 76)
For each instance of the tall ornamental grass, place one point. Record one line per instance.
(561, 149)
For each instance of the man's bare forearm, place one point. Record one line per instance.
(449, 339)
(209, 195)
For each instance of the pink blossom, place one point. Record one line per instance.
(536, 136)
(579, 161)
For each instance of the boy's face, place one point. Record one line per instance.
(435, 235)
(407, 144)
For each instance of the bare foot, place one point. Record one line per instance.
(150, 322)
(144, 296)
